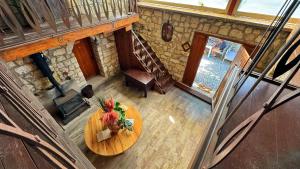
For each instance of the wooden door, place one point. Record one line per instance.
(250, 49)
(240, 60)
(197, 50)
(84, 54)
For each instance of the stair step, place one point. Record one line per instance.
(139, 46)
(168, 86)
(138, 50)
(164, 89)
(157, 68)
(164, 74)
(164, 80)
(143, 52)
(142, 42)
(152, 54)
(152, 64)
(157, 60)
(149, 63)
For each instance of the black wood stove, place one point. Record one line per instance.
(69, 103)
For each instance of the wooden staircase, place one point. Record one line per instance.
(151, 63)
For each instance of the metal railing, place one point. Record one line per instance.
(144, 48)
(150, 71)
(283, 63)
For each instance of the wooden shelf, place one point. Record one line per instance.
(24, 50)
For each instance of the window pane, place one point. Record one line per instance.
(269, 7)
(296, 13)
(187, 2)
(220, 4)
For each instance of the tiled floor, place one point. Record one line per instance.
(173, 126)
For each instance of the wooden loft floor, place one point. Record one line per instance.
(274, 142)
(24, 50)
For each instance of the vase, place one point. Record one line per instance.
(114, 129)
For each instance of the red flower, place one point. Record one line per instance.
(109, 104)
(110, 118)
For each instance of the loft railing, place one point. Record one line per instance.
(214, 151)
(22, 21)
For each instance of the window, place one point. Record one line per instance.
(296, 13)
(187, 2)
(219, 4)
(267, 7)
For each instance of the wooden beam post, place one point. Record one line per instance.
(128, 28)
(232, 6)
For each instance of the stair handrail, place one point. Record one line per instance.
(145, 50)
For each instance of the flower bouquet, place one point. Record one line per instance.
(114, 116)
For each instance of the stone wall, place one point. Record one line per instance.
(106, 55)
(64, 63)
(172, 54)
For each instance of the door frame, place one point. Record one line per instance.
(197, 50)
(196, 53)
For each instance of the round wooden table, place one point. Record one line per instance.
(118, 143)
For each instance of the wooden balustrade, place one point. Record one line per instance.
(27, 21)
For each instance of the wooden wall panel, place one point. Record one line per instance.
(15, 155)
(240, 60)
(18, 154)
(124, 45)
(36, 157)
(17, 90)
(250, 49)
(242, 57)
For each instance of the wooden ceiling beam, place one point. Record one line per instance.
(232, 6)
(25, 50)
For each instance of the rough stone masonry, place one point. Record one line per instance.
(63, 62)
(172, 54)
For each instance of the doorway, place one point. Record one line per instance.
(84, 54)
(215, 62)
(209, 60)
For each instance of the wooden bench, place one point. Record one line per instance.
(139, 79)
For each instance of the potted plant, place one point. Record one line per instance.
(114, 116)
